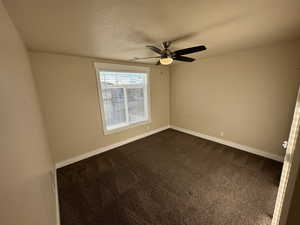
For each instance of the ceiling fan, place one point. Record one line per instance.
(166, 56)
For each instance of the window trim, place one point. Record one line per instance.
(122, 68)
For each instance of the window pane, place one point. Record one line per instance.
(114, 107)
(136, 105)
(121, 78)
(124, 98)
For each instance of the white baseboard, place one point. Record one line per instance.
(231, 144)
(106, 148)
(218, 140)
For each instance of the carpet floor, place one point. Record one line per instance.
(169, 178)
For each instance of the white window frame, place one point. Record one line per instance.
(123, 68)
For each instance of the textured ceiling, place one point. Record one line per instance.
(119, 29)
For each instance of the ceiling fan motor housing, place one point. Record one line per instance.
(166, 44)
(166, 53)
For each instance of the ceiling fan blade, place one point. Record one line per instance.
(183, 58)
(158, 63)
(153, 57)
(190, 50)
(154, 48)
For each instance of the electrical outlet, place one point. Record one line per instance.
(222, 134)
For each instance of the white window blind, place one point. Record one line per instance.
(124, 98)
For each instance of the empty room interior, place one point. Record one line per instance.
(131, 112)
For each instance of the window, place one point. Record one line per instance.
(124, 96)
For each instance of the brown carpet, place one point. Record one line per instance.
(169, 178)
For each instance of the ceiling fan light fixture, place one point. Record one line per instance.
(166, 61)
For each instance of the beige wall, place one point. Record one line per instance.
(25, 194)
(249, 95)
(68, 92)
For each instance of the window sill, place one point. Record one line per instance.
(120, 128)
